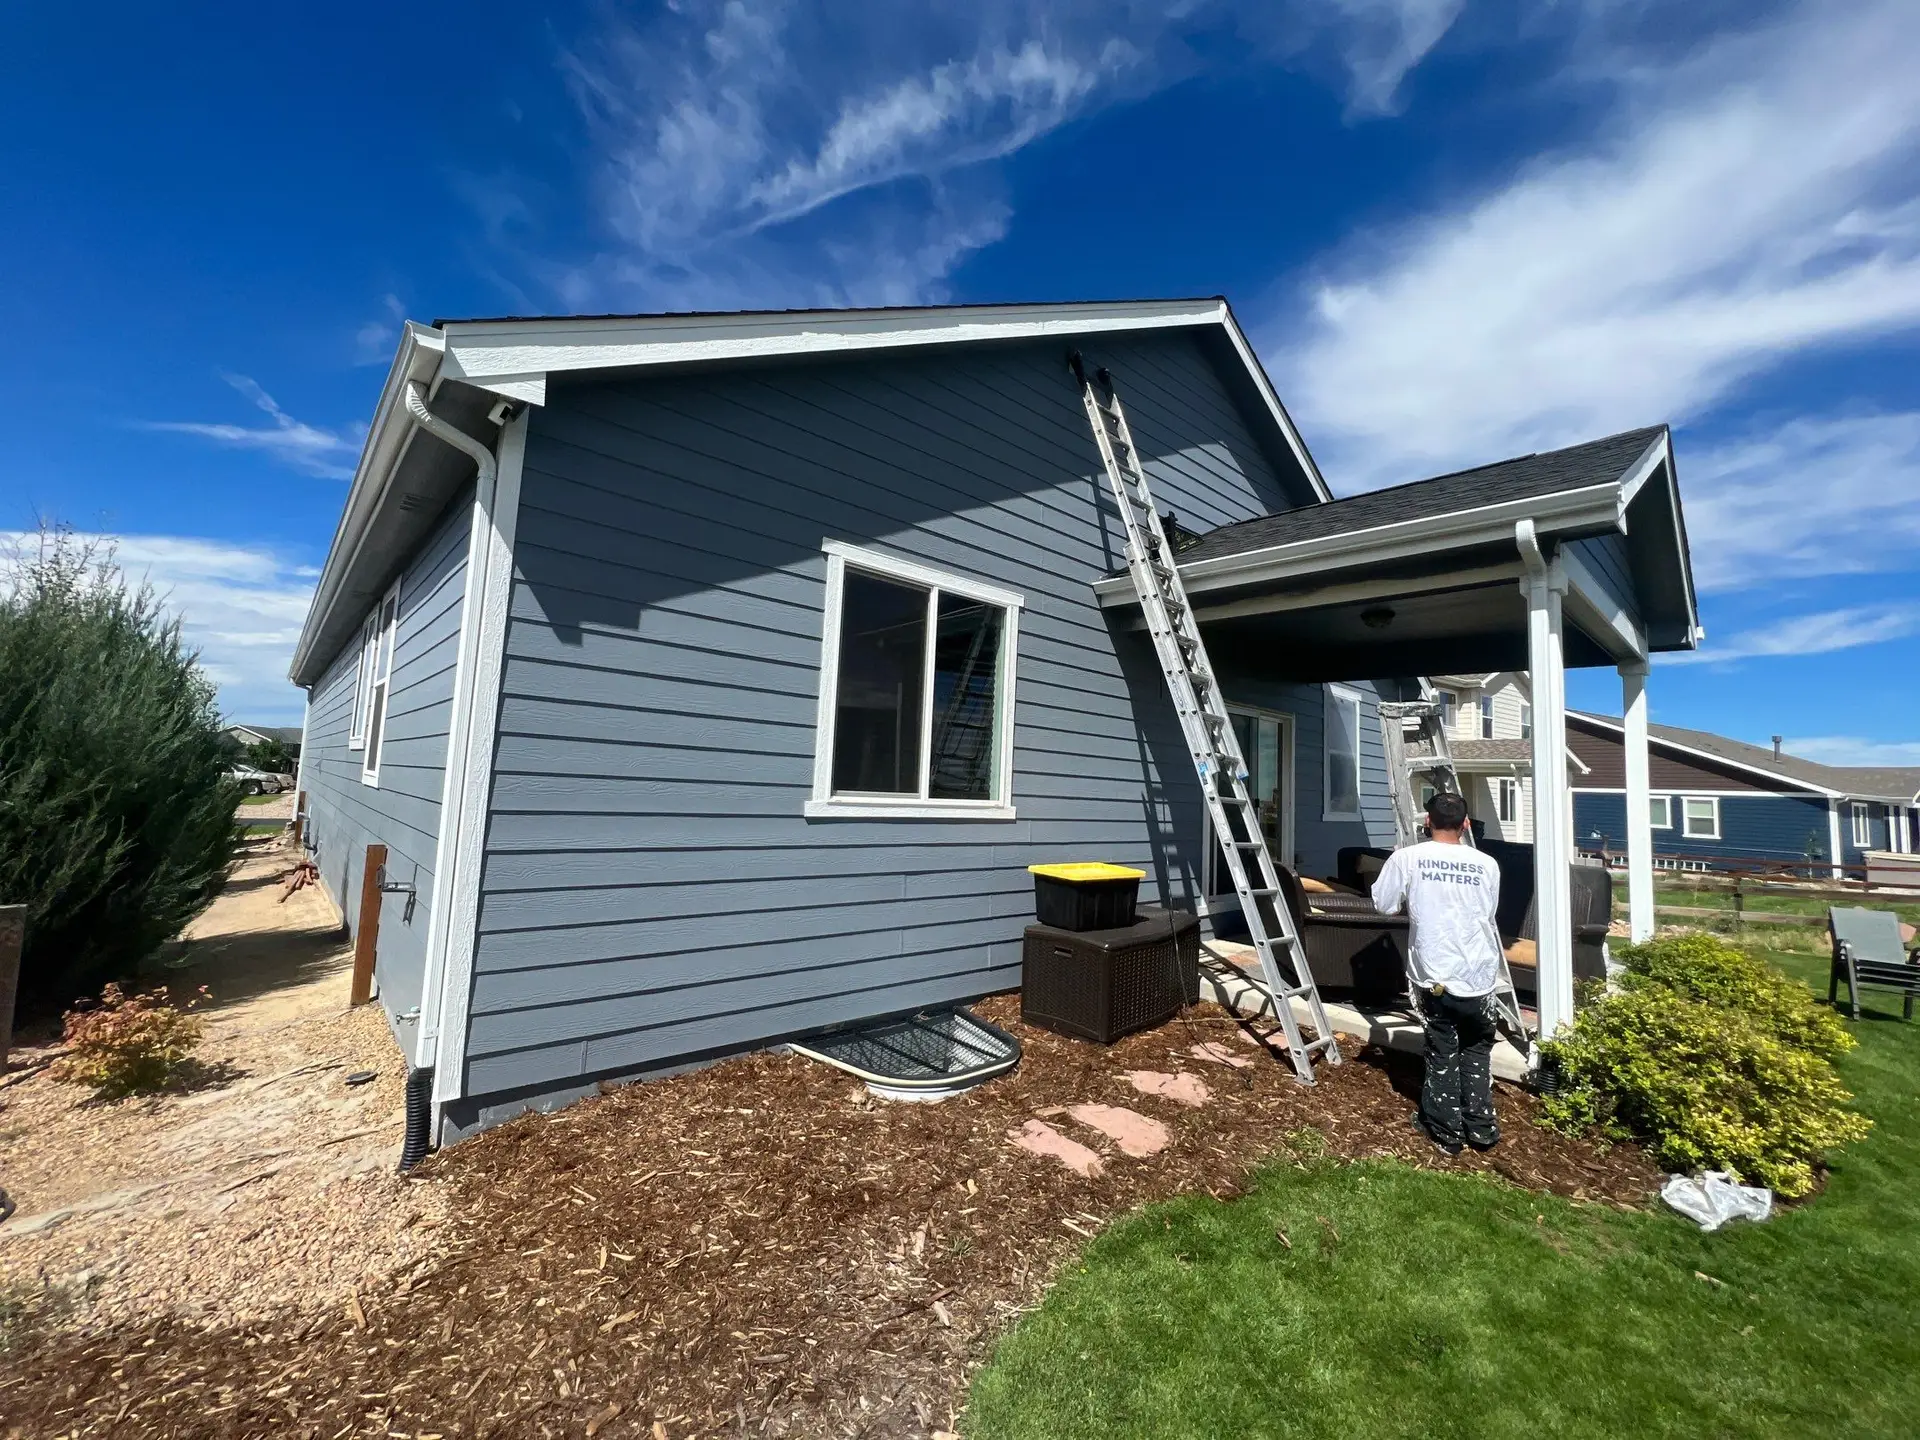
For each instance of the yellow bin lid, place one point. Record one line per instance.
(1079, 872)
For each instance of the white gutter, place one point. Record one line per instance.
(1598, 507)
(418, 359)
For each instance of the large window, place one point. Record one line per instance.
(1341, 758)
(916, 698)
(379, 672)
(1660, 812)
(1700, 817)
(1862, 826)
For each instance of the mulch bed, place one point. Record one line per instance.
(758, 1247)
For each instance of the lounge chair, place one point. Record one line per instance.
(1868, 950)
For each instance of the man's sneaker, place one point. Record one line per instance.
(1486, 1147)
(1445, 1147)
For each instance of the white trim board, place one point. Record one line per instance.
(490, 646)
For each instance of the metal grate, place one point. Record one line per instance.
(936, 1050)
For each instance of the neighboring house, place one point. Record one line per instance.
(246, 736)
(714, 679)
(1489, 720)
(1716, 801)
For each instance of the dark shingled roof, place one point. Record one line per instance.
(1865, 781)
(1546, 473)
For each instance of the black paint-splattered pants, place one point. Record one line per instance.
(1456, 1103)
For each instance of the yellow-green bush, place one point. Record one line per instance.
(1712, 1060)
(129, 1044)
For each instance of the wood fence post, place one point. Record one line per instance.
(13, 936)
(366, 935)
(299, 816)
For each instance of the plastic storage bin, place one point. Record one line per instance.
(1085, 895)
(1102, 984)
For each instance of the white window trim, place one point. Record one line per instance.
(1339, 695)
(1526, 720)
(1505, 786)
(1689, 834)
(1666, 805)
(824, 804)
(370, 761)
(1485, 709)
(1860, 821)
(357, 725)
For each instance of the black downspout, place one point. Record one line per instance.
(419, 1142)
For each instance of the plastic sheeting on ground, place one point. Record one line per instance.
(1711, 1199)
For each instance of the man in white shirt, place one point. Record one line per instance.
(1450, 892)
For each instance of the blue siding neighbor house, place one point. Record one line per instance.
(1720, 804)
(712, 679)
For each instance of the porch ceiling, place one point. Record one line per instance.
(1424, 579)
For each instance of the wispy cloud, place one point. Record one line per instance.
(758, 152)
(1816, 634)
(373, 342)
(309, 448)
(1815, 496)
(241, 606)
(1855, 750)
(1743, 206)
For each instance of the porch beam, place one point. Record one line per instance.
(1633, 707)
(1355, 592)
(1592, 606)
(1545, 587)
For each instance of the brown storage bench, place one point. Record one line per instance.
(1102, 984)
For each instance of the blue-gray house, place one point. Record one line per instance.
(711, 679)
(1723, 804)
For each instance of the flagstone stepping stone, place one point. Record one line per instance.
(1182, 1089)
(1040, 1138)
(1136, 1134)
(1213, 1050)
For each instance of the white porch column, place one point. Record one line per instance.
(1552, 800)
(1633, 696)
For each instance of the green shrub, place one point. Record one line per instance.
(129, 1044)
(1711, 1060)
(116, 816)
(1706, 968)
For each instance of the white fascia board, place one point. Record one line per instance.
(1591, 506)
(418, 358)
(1649, 463)
(1598, 614)
(1615, 727)
(1272, 401)
(486, 352)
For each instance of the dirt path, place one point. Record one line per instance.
(267, 1183)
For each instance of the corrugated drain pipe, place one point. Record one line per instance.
(419, 1141)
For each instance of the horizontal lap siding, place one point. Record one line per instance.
(403, 811)
(652, 889)
(1752, 826)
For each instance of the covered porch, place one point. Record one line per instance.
(1570, 558)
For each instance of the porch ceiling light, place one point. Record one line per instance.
(1377, 617)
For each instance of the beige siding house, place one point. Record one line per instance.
(1490, 729)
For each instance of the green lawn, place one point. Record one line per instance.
(1423, 1304)
(1813, 907)
(258, 799)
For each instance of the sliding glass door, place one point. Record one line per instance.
(1266, 741)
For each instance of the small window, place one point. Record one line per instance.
(1862, 826)
(380, 677)
(916, 701)
(1700, 817)
(1486, 717)
(1507, 792)
(1526, 721)
(1427, 792)
(1341, 758)
(1449, 708)
(1660, 812)
(362, 686)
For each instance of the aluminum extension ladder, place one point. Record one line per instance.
(1432, 756)
(1208, 730)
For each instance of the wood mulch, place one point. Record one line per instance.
(758, 1247)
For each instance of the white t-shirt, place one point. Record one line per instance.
(1450, 892)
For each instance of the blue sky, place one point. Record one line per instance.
(1457, 232)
